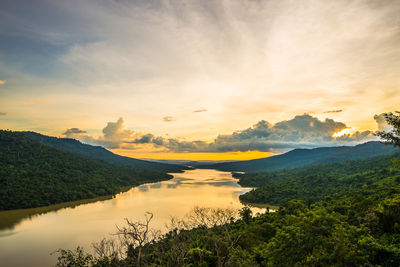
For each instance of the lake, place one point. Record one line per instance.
(27, 237)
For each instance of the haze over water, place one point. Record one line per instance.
(68, 228)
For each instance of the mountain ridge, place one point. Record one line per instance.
(33, 174)
(301, 157)
(101, 153)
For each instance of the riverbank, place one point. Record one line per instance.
(40, 231)
(9, 218)
(271, 208)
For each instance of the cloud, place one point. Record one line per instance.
(168, 119)
(114, 135)
(2, 82)
(173, 144)
(116, 131)
(73, 131)
(334, 111)
(145, 139)
(381, 121)
(355, 137)
(3, 113)
(201, 110)
(301, 131)
(245, 60)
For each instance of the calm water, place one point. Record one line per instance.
(29, 241)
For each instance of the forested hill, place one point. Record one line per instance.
(98, 152)
(307, 157)
(313, 183)
(353, 220)
(33, 174)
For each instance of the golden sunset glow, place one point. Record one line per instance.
(195, 156)
(199, 133)
(171, 81)
(342, 132)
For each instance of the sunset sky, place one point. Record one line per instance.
(205, 79)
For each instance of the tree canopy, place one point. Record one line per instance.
(33, 174)
(353, 220)
(392, 136)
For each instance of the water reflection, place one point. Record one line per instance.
(10, 218)
(35, 233)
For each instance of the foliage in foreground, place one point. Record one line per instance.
(359, 228)
(355, 222)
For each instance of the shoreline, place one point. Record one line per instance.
(272, 208)
(10, 218)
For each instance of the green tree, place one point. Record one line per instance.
(77, 258)
(393, 136)
(246, 214)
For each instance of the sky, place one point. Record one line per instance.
(200, 80)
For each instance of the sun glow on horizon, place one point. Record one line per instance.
(157, 79)
(237, 155)
(343, 132)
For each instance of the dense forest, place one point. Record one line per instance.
(314, 183)
(358, 226)
(338, 214)
(342, 214)
(298, 158)
(98, 152)
(33, 174)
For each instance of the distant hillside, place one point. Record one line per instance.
(190, 163)
(33, 174)
(307, 157)
(313, 183)
(98, 152)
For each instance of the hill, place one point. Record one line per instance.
(33, 174)
(354, 220)
(190, 163)
(313, 183)
(306, 157)
(98, 152)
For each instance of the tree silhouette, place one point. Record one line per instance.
(392, 136)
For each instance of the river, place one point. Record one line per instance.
(27, 237)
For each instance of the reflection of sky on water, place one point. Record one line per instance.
(7, 233)
(143, 187)
(172, 186)
(180, 179)
(220, 180)
(87, 223)
(155, 185)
